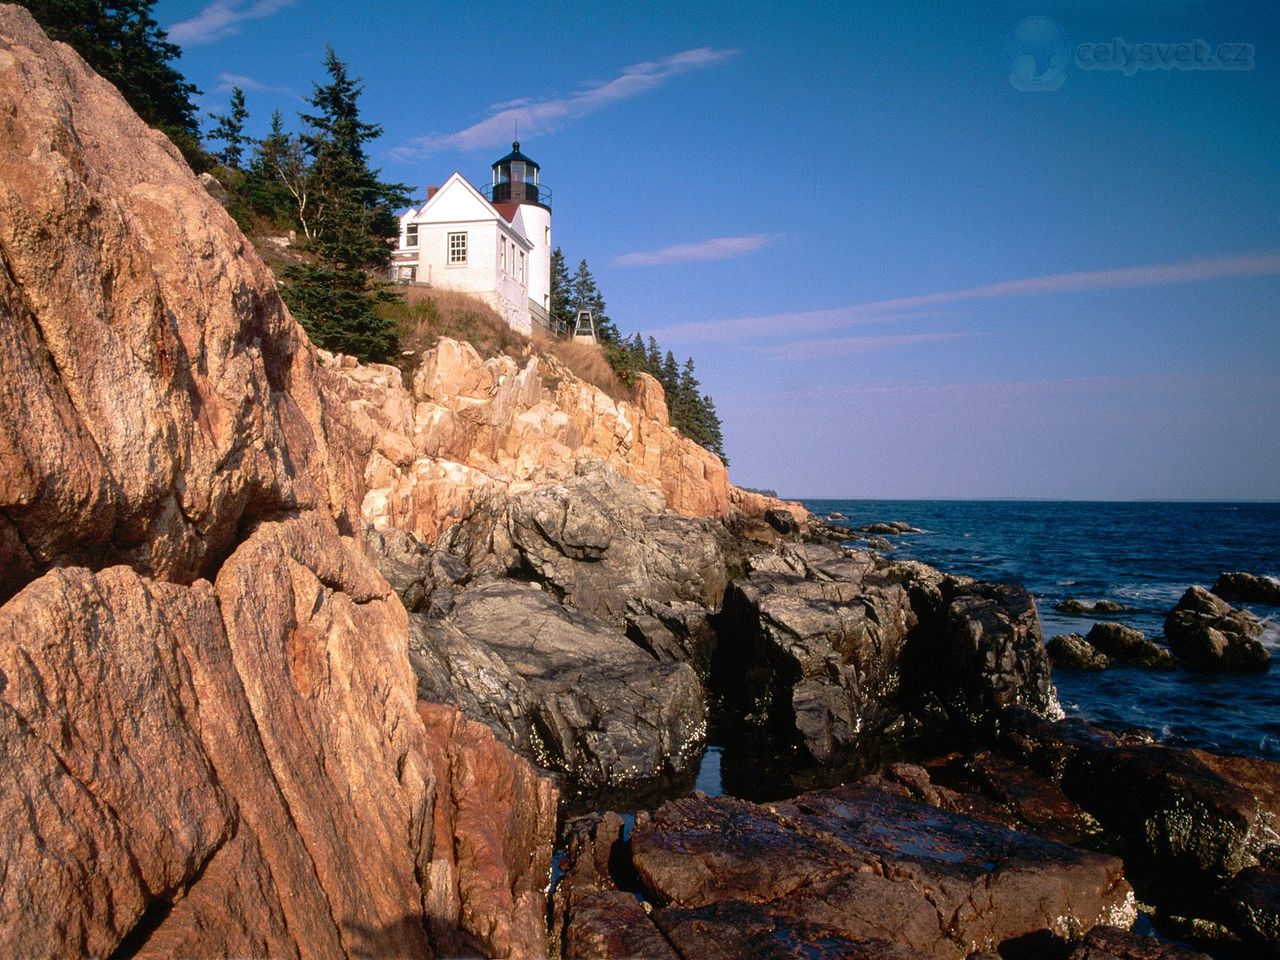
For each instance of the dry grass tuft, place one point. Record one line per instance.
(428, 313)
(588, 363)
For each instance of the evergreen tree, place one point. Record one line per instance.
(230, 130)
(653, 363)
(275, 184)
(584, 294)
(562, 311)
(669, 374)
(346, 213)
(122, 41)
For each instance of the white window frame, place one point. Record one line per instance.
(522, 268)
(456, 248)
(411, 235)
(504, 254)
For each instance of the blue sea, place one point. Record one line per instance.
(1142, 554)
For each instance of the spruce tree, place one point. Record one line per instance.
(230, 130)
(123, 42)
(353, 213)
(562, 311)
(276, 177)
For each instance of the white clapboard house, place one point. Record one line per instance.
(494, 242)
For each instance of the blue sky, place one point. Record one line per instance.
(901, 273)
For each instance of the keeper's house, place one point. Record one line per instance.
(493, 242)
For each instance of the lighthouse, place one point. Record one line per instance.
(517, 182)
(493, 242)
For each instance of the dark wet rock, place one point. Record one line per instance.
(1249, 905)
(784, 521)
(836, 515)
(613, 925)
(980, 653)
(865, 864)
(679, 631)
(1207, 634)
(890, 529)
(735, 930)
(1182, 819)
(1114, 943)
(1073, 650)
(1248, 588)
(811, 637)
(1127, 645)
(991, 785)
(1048, 746)
(1083, 608)
(599, 541)
(425, 579)
(562, 685)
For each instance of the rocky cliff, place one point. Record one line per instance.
(211, 730)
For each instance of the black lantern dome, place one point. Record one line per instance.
(515, 180)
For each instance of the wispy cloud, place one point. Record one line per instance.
(545, 116)
(843, 346)
(1265, 263)
(715, 248)
(226, 81)
(223, 18)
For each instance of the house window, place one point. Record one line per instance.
(522, 266)
(548, 235)
(503, 244)
(411, 235)
(457, 248)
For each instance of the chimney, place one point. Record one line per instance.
(431, 192)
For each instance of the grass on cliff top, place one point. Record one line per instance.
(587, 361)
(428, 313)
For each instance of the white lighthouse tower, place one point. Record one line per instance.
(516, 182)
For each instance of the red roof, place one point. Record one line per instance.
(508, 210)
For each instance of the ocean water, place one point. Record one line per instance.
(1141, 554)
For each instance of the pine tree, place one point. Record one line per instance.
(346, 212)
(562, 312)
(275, 183)
(123, 42)
(653, 362)
(669, 373)
(230, 130)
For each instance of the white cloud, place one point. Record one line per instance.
(1263, 264)
(228, 80)
(223, 18)
(545, 116)
(842, 346)
(715, 248)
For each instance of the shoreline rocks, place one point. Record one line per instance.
(1207, 634)
(1247, 588)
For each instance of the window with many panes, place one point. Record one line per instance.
(411, 235)
(457, 248)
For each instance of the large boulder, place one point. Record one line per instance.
(1127, 645)
(566, 687)
(600, 542)
(867, 867)
(978, 652)
(812, 637)
(1207, 634)
(1248, 588)
(1073, 650)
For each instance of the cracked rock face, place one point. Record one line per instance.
(603, 543)
(208, 720)
(564, 687)
(858, 869)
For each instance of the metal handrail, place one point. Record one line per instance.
(542, 191)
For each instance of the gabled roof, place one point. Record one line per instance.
(473, 206)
